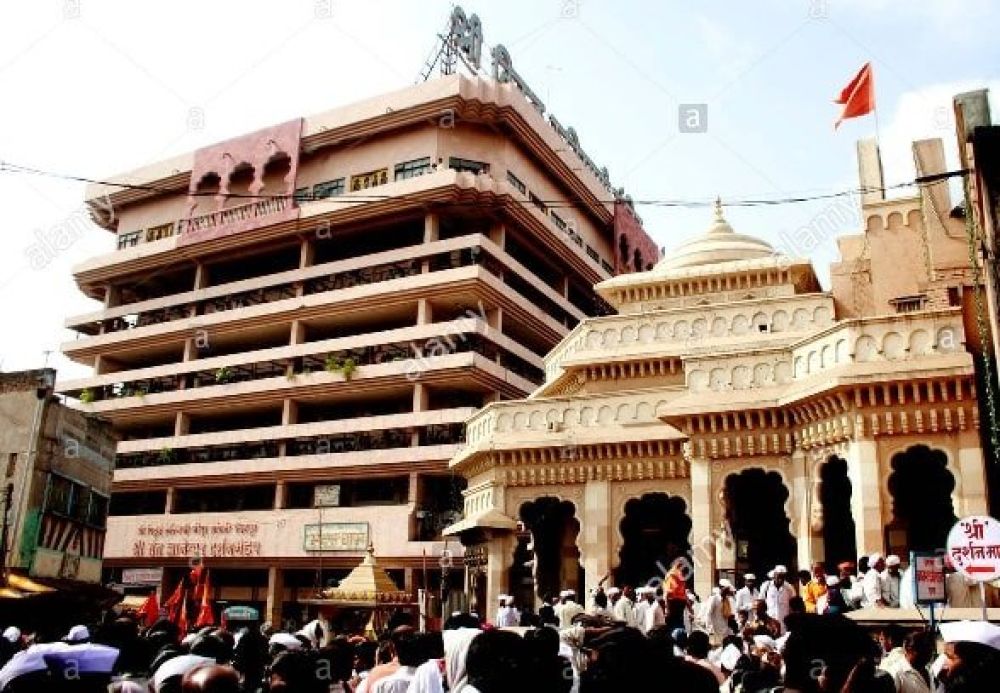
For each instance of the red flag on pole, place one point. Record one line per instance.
(858, 97)
(150, 610)
(176, 600)
(205, 615)
(182, 618)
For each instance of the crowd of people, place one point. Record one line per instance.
(789, 634)
(815, 654)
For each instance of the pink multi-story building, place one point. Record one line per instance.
(296, 324)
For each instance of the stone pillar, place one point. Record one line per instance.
(498, 234)
(864, 471)
(111, 296)
(171, 497)
(420, 397)
(702, 539)
(200, 276)
(289, 412)
(595, 539)
(494, 318)
(307, 252)
(281, 496)
(275, 596)
(432, 227)
(190, 349)
(425, 312)
(499, 552)
(298, 333)
(970, 495)
(182, 424)
(800, 509)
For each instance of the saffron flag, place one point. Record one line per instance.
(858, 97)
(149, 612)
(182, 618)
(175, 602)
(205, 615)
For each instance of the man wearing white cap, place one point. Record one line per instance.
(971, 660)
(720, 612)
(891, 582)
(639, 610)
(507, 615)
(569, 609)
(652, 615)
(621, 607)
(871, 583)
(746, 596)
(777, 594)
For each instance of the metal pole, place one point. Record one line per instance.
(8, 498)
(982, 597)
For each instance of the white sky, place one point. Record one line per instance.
(93, 88)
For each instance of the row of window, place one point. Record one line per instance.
(75, 501)
(371, 179)
(560, 223)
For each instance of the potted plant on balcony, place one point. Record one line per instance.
(334, 364)
(86, 395)
(223, 375)
(166, 455)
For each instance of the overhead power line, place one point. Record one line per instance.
(8, 167)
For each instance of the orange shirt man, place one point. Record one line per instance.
(815, 588)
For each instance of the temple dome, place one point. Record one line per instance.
(719, 244)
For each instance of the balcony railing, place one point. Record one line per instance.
(436, 434)
(335, 361)
(358, 277)
(234, 215)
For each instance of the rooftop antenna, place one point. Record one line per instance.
(461, 41)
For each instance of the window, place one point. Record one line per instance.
(79, 505)
(98, 512)
(593, 254)
(11, 463)
(908, 304)
(535, 200)
(559, 221)
(516, 182)
(469, 165)
(363, 181)
(410, 169)
(329, 188)
(607, 267)
(155, 233)
(60, 495)
(128, 240)
(954, 296)
(302, 195)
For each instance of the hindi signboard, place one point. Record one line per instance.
(974, 547)
(142, 576)
(326, 496)
(336, 536)
(928, 578)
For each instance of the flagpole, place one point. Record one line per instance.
(878, 141)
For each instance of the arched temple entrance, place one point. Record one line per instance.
(839, 540)
(922, 510)
(755, 510)
(655, 530)
(554, 530)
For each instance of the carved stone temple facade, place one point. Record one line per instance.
(735, 410)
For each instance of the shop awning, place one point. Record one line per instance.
(487, 519)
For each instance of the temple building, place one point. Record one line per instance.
(735, 411)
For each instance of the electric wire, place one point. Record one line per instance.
(8, 167)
